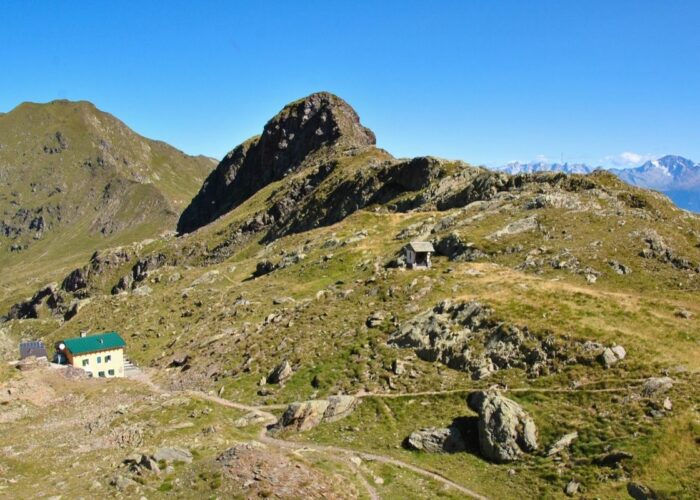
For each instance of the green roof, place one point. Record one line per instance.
(94, 343)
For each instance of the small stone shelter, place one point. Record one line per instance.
(418, 254)
(101, 355)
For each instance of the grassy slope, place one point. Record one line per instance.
(165, 178)
(337, 287)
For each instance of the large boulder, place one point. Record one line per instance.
(506, 431)
(304, 415)
(339, 407)
(433, 440)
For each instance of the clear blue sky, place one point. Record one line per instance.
(484, 81)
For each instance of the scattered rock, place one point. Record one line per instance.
(375, 319)
(562, 443)
(143, 291)
(263, 267)
(516, 227)
(281, 373)
(612, 459)
(506, 431)
(173, 455)
(611, 355)
(339, 407)
(619, 268)
(433, 440)
(683, 314)
(656, 385)
(572, 487)
(640, 492)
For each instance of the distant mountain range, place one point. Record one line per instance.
(675, 176)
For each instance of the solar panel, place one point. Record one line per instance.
(32, 348)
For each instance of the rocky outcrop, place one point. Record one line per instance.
(299, 130)
(434, 440)
(466, 336)
(456, 249)
(506, 431)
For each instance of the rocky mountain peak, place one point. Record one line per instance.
(309, 123)
(317, 122)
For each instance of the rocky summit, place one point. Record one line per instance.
(318, 126)
(288, 341)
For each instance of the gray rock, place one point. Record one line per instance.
(620, 268)
(339, 407)
(149, 463)
(683, 314)
(143, 291)
(305, 415)
(375, 319)
(640, 492)
(123, 483)
(656, 385)
(611, 355)
(398, 367)
(433, 440)
(562, 443)
(612, 459)
(572, 487)
(281, 373)
(506, 431)
(173, 455)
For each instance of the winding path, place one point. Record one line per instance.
(335, 452)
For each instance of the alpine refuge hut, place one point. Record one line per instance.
(418, 254)
(101, 355)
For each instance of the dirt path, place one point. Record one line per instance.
(332, 452)
(344, 455)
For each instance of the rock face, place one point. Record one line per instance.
(466, 336)
(300, 129)
(506, 431)
(432, 440)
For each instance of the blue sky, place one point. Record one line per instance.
(484, 81)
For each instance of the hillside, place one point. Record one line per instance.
(556, 303)
(74, 179)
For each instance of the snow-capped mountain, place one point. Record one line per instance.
(541, 166)
(677, 177)
(665, 174)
